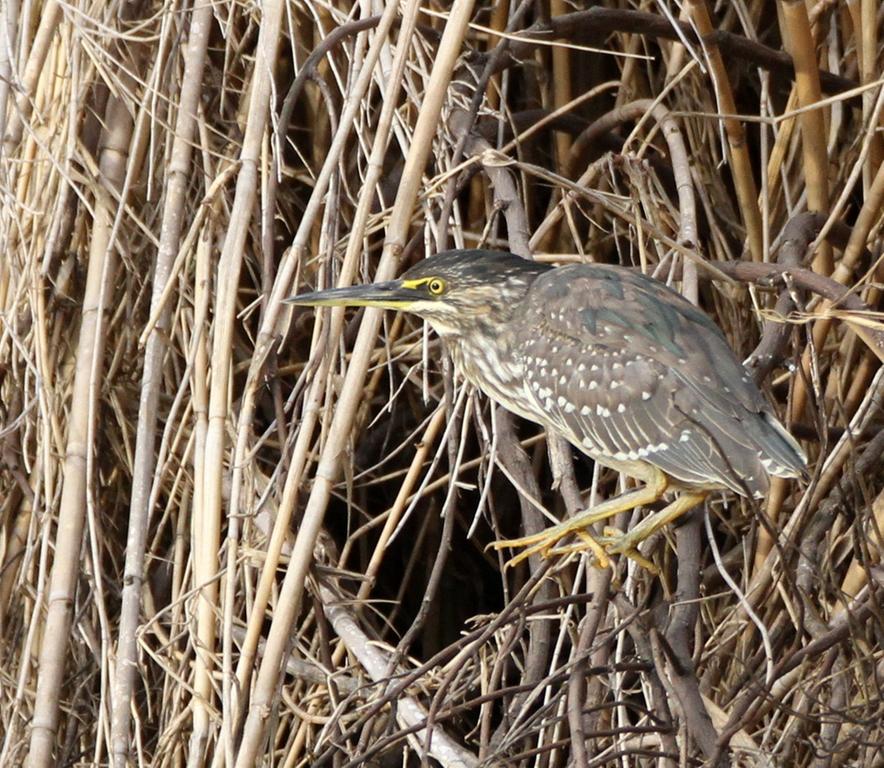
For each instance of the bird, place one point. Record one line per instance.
(616, 362)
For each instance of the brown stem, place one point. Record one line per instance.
(575, 26)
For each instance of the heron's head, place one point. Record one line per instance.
(454, 291)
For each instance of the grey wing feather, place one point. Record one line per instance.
(636, 373)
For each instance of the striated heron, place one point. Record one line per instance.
(615, 362)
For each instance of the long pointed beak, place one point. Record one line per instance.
(391, 295)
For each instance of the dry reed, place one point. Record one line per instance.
(232, 534)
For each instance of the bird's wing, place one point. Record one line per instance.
(630, 371)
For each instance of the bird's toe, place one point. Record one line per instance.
(616, 542)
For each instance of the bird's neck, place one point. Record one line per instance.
(490, 366)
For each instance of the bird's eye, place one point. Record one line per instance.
(436, 286)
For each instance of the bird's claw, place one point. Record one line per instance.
(544, 544)
(611, 542)
(613, 539)
(616, 542)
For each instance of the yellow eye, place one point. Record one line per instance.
(436, 286)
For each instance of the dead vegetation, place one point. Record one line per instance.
(232, 534)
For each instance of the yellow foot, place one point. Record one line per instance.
(544, 544)
(616, 542)
(612, 542)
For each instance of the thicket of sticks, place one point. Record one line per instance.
(236, 534)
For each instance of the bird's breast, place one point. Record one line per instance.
(497, 373)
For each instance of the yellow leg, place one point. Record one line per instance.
(616, 542)
(544, 542)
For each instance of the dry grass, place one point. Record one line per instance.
(200, 489)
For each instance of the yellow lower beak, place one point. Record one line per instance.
(391, 295)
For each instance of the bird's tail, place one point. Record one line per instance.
(780, 453)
